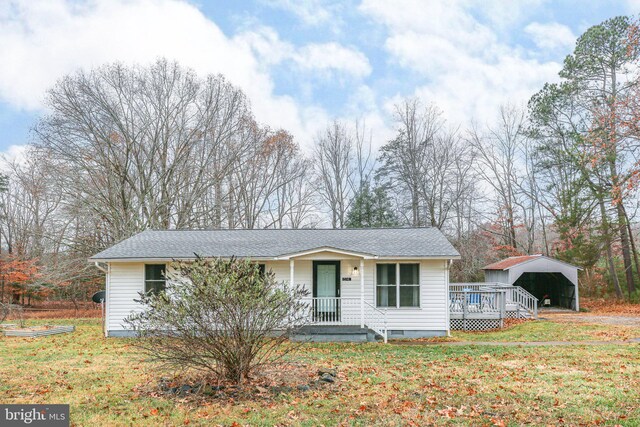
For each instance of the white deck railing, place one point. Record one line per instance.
(478, 304)
(340, 311)
(521, 300)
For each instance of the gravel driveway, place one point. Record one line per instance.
(602, 319)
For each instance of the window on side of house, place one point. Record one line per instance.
(154, 278)
(262, 268)
(398, 285)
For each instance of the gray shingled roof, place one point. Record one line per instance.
(183, 244)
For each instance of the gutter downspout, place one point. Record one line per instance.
(105, 269)
(447, 267)
(100, 267)
(362, 293)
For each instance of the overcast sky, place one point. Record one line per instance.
(303, 63)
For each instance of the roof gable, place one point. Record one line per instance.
(329, 249)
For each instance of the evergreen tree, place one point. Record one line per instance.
(371, 209)
(586, 116)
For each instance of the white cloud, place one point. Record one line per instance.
(469, 70)
(363, 107)
(40, 41)
(15, 154)
(321, 58)
(505, 15)
(633, 6)
(310, 12)
(551, 35)
(332, 56)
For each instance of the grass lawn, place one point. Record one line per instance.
(544, 330)
(378, 384)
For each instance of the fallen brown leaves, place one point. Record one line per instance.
(68, 313)
(610, 306)
(376, 384)
(269, 383)
(61, 310)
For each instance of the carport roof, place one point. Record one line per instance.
(507, 263)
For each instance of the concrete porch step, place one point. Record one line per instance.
(337, 333)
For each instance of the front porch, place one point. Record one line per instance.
(344, 319)
(335, 333)
(337, 309)
(362, 293)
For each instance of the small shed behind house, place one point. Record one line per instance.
(539, 275)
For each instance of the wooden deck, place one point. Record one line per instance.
(485, 305)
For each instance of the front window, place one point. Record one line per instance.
(398, 285)
(409, 288)
(154, 278)
(263, 269)
(386, 285)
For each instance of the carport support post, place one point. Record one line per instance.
(362, 293)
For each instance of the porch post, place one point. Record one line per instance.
(291, 276)
(362, 293)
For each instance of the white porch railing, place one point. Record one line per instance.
(340, 311)
(376, 319)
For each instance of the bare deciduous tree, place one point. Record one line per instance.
(333, 159)
(498, 151)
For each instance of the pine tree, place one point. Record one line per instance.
(371, 209)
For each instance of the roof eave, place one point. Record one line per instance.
(171, 259)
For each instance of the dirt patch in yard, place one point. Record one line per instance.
(270, 383)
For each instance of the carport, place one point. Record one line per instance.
(541, 276)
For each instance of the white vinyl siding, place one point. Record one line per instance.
(433, 311)
(126, 280)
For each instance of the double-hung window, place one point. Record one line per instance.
(386, 292)
(398, 285)
(409, 285)
(154, 278)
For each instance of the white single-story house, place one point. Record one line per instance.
(390, 281)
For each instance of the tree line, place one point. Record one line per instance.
(126, 148)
